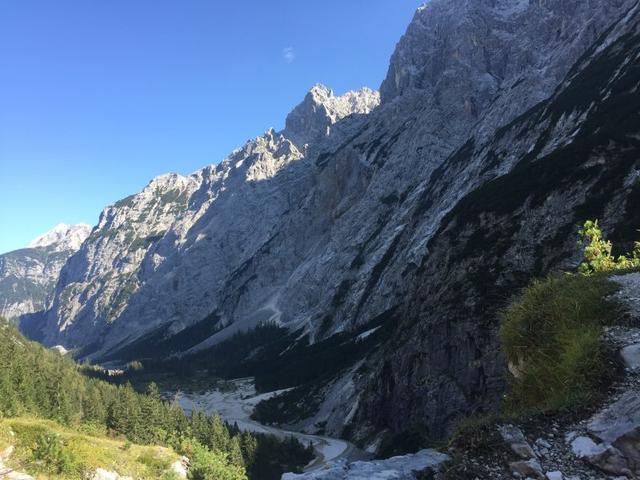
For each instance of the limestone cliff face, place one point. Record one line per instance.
(571, 158)
(429, 209)
(29, 275)
(164, 255)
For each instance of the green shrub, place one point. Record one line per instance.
(154, 462)
(135, 365)
(597, 252)
(94, 429)
(552, 340)
(50, 453)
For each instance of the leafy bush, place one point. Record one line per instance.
(597, 252)
(552, 339)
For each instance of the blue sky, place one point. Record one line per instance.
(98, 97)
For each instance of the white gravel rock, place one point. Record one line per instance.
(402, 467)
(102, 474)
(631, 356)
(555, 476)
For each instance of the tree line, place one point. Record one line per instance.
(38, 382)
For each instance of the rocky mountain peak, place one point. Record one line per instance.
(63, 237)
(470, 50)
(312, 119)
(28, 275)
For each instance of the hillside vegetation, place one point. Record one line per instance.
(44, 447)
(559, 363)
(41, 390)
(552, 334)
(552, 340)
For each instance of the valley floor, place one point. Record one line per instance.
(235, 406)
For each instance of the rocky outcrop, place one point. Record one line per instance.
(29, 275)
(102, 474)
(596, 441)
(404, 467)
(312, 121)
(8, 472)
(610, 439)
(62, 238)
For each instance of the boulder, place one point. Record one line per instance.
(102, 474)
(631, 356)
(618, 425)
(542, 447)
(527, 469)
(602, 456)
(6, 453)
(180, 467)
(404, 467)
(514, 437)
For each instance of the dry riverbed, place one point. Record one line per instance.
(235, 405)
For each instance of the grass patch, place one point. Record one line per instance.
(411, 440)
(477, 433)
(552, 338)
(46, 448)
(5, 437)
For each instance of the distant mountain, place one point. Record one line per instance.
(399, 221)
(163, 255)
(28, 275)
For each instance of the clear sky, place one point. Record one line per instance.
(97, 97)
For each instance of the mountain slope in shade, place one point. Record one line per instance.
(29, 275)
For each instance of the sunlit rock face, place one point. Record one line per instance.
(28, 276)
(359, 211)
(161, 255)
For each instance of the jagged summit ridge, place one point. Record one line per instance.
(28, 276)
(63, 237)
(147, 241)
(321, 109)
(176, 253)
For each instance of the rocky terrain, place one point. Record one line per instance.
(502, 125)
(595, 444)
(28, 276)
(395, 468)
(598, 443)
